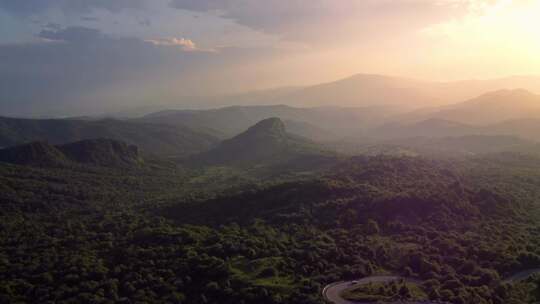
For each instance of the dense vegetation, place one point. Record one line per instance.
(101, 152)
(386, 292)
(151, 138)
(158, 233)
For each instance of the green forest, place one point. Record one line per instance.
(270, 151)
(161, 232)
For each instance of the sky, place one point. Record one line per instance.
(91, 56)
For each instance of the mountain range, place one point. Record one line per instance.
(157, 139)
(360, 90)
(489, 108)
(182, 133)
(317, 122)
(522, 128)
(503, 112)
(99, 152)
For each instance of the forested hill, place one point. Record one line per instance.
(385, 189)
(267, 142)
(408, 216)
(99, 152)
(103, 152)
(34, 154)
(151, 138)
(103, 235)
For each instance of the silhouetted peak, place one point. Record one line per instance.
(271, 126)
(265, 142)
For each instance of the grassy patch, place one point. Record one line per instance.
(391, 291)
(263, 272)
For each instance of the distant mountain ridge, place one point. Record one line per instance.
(334, 123)
(467, 145)
(151, 138)
(493, 107)
(319, 123)
(99, 152)
(363, 90)
(526, 129)
(183, 133)
(366, 90)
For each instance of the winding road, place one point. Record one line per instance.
(520, 276)
(332, 292)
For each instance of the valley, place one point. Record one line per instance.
(270, 204)
(269, 152)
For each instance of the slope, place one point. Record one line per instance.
(39, 154)
(102, 152)
(150, 138)
(265, 142)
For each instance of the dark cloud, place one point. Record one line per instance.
(310, 19)
(51, 76)
(79, 70)
(206, 5)
(268, 15)
(52, 26)
(90, 19)
(72, 34)
(29, 7)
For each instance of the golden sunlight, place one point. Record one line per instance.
(503, 35)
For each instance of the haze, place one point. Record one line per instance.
(60, 57)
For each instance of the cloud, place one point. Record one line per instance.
(185, 44)
(308, 20)
(31, 7)
(82, 64)
(52, 26)
(71, 34)
(89, 19)
(78, 70)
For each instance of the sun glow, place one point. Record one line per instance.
(504, 35)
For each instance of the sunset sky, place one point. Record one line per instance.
(53, 52)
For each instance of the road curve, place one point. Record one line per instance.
(520, 276)
(332, 292)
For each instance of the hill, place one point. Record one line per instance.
(265, 142)
(427, 128)
(368, 90)
(334, 123)
(102, 152)
(363, 90)
(404, 189)
(467, 145)
(315, 123)
(489, 108)
(457, 227)
(310, 131)
(39, 154)
(97, 152)
(525, 129)
(151, 138)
